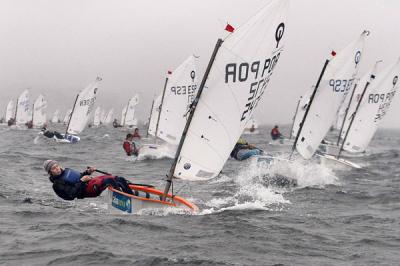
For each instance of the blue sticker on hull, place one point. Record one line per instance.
(121, 202)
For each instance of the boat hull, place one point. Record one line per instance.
(146, 198)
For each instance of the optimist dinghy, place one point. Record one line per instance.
(81, 112)
(218, 115)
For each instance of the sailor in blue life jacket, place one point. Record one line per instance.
(244, 150)
(69, 184)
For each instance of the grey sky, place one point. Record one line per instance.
(57, 47)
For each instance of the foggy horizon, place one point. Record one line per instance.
(56, 48)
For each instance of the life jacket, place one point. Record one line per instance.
(275, 133)
(70, 176)
(127, 147)
(68, 191)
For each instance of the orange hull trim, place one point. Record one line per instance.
(153, 191)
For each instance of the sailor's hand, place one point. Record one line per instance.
(90, 169)
(85, 178)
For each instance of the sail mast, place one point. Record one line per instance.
(33, 111)
(354, 114)
(309, 105)
(345, 114)
(161, 104)
(126, 111)
(72, 112)
(16, 110)
(192, 109)
(148, 124)
(294, 118)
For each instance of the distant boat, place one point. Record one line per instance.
(170, 108)
(67, 116)
(128, 118)
(371, 108)
(22, 112)
(97, 114)
(81, 112)
(334, 83)
(38, 112)
(251, 127)
(109, 117)
(55, 118)
(9, 114)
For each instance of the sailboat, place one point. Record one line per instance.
(336, 79)
(67, 116)
(169, 110)
(109, 117)
(55, 118)
(128, 118)
(22, 112)
(372, 106)
(9, 112)
(38, 114)
(251, 127)
(97, 114)
(81, 112)
(236, 77)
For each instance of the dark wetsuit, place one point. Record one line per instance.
(50, 134)
(68, 185)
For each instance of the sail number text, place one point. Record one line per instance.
(341, 85)
(259, 71)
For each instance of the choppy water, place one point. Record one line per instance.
(333, 217)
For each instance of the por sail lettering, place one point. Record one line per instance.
(241, 72)
(259, 71)
(380, 97)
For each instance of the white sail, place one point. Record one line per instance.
(83, 108)
(109, 117)
(67, 116)
(154, 116)
(373, 108)
(301, 110)
(342, 109)
(39, 115)
(23, 113)
(9, 111)
(102, 116)
(179, 93)
(336, 82)
(129, 117)
(97, 113)
(237, 80)
(55, 119)
(357, 96)
(123, 113)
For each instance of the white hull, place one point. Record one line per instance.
(331, 161)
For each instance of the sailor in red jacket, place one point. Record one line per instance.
(130, 146)
(136, 133)
(275, 134)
